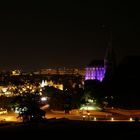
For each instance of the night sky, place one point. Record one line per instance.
(65, 34)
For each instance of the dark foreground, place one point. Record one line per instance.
(71, 130)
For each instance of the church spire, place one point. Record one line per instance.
(110, 58)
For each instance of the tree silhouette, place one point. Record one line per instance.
(30, 109)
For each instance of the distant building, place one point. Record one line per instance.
(95, 70)
(100, 69)
(6, 90)
(45, 83)
(63, 71)
(16, 73)
(48, 71)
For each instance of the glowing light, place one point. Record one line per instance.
(58, 86)
(95, 73)
(16, 72)
(3, 112)
(8, 92)
(45, 83)
(90, 101)
(24, 89)
(4, 90)
(44, 99)
(88, 107)
(88, 114)
(19, 110)
(131, 119)
(40, 93)
(112, 119)
(33, 90)
(95, 119)
(45, 107)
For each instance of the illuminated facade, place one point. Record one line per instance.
(63, 71)
(95, 70)
(51, 84)
(16, 73)
(99, 69)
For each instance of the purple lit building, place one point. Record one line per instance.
(95, 70)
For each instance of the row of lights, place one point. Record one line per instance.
(95, 119)
(131, 119)
(112, 119)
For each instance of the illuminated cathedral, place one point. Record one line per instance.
(97, 69)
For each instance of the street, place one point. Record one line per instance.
(10, 117)
(113, 116)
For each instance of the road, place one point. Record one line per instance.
(58, 116)
(10, 117)
(97, 116)
(94, 116)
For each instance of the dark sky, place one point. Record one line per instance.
(41, 35)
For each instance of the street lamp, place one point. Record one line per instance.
(43, 99)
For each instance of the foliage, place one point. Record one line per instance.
(30, 109)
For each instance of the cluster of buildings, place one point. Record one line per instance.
(52, 71)
(13, 90)
(96, 70)
(63, 71)
(45, 83)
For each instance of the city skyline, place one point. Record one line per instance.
(69, 69)
(69, 35)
